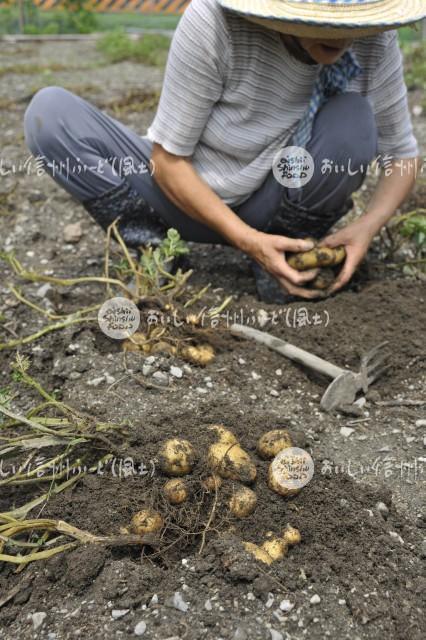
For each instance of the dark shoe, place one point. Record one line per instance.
(139, 225)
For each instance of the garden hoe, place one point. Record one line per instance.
(342, 391)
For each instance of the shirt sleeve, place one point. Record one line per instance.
(194, 78)
(389, 94)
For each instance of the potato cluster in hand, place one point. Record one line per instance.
(322, 258)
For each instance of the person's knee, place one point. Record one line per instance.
(43, 117)
(347, 130)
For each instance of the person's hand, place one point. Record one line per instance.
(356, 238)
(269, 251)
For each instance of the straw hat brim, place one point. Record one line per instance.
(329, 20)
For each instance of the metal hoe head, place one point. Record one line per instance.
(343, 390)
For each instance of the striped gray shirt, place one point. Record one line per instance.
(233, 94)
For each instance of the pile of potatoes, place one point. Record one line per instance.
(227, 461)
(200, 355)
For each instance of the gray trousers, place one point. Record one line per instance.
(74, 138)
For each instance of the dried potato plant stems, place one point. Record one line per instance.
(56, 326)
(209, 521)
(21, 512)
(33, 276)
(45, 312)
(14, 527)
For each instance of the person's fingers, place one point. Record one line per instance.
(282, 243)
(345, 274)
(332, 241)
(301, 277)
(294, 276)
(308, 294)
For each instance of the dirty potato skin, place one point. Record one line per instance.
(228, 459)
(316, 257)
(232, 462)
(259, 553)
(243, 502)
(292, 535)
(176, 491)
(275, 547)
(324, 279)
(276, 486)
(146, 521)
(177, 457)
(201, 355)
(223, 434)
(272, 442)
(212, 483)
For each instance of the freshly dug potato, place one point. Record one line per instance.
(163, 347)
(323, 280)
(292, 535)
(228, 459)
(272, 442)
(258, 552)
(231, 461)
(201, 355)
(224, 435)
(316, 257)
(212, 483)
(274, 481)
(176, 491)
(275, 547)
(177, 457)
(243, 502)
(146, 521)
(137, 342)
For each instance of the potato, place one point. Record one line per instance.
(176, 491)
(258, 552)
(275, 483)
(163, 347)
(228, 459)
(177, 457)
(323, 280)
(275, 547)
(292, 535)
(316, 257)
(212, 483)
(231, 461)
(224, 435)
(146, 521)
(272, 442)
(243, 502)
(201, 355)
(137, 342)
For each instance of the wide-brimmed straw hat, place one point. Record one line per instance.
(330, 18)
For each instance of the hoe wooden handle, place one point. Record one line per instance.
(288, 350)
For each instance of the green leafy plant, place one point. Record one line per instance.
(414, 228)
(407, 230)
(152, 271)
